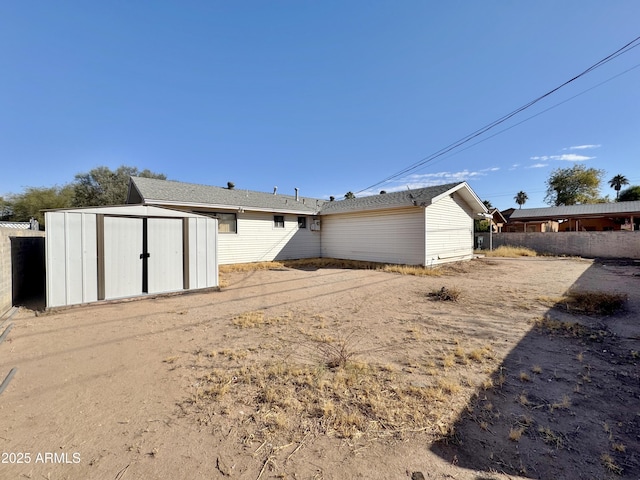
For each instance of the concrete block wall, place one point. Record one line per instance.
(616, 244)
(6, 279)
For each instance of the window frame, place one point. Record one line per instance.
(219, 216)
(278, 221)
(302, 223)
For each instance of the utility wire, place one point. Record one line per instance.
(480, 131)
(539, 113)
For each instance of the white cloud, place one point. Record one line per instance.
(582, 147)
(565, 157)
(538, 165)
(429, 180)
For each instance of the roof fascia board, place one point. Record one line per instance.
(374, 208)
(471, 193)
(228, 207)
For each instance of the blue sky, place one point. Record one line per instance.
(329, 96)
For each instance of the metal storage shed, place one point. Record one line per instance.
(105, 253)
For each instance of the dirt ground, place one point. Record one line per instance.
(498, 384)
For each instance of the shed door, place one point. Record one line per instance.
(122, 264)
(164, 243)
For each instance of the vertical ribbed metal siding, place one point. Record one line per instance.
(203, 263)
(122, 263)
(71, 258)
(166, 258)
(449, 230)
(391, 236)
(72, 255)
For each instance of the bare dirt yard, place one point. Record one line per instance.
(488, 371)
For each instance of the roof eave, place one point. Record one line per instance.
(212, 206)
(468, 194)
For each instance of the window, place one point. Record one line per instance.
(227, 223)
(278, 221)
(302, 222)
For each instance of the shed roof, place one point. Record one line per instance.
(130, 211)
(167, 192)
(405, 198)
(612, 209)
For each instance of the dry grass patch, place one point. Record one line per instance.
(318, 263)
(257, 319)
(353, 400)
(509, 251)
(588, 302)
(250, 267)
(445, 294)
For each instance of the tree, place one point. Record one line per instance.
(6, 208)
(577, 184)
(630, 194)
(521, 198)
(487, 204)
(349, 195)
(101, 186)
(617, 182)
(30, 204)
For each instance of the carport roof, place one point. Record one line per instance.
(613, 209)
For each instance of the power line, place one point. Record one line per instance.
(541, 112)
(624, 49)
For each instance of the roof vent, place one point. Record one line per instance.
(275, 190)
(297, 197)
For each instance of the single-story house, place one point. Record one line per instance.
(425, 226)
(584, 217)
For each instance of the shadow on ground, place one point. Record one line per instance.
(565, 403)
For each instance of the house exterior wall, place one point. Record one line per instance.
(390, 236)
(258, 239)
(449, 231)
(6, 266)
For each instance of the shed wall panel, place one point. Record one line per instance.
(391, 236)
(259, 240)
(203, 266)
(449, 230)
(71, 258)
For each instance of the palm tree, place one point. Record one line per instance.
(617, 182)
(349, 195)
(521, 198)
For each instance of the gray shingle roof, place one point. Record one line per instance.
(167, 192)
(403, 198)
(594, 209)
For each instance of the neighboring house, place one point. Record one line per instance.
(531, 226)
(585, 217)
(424, 226)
